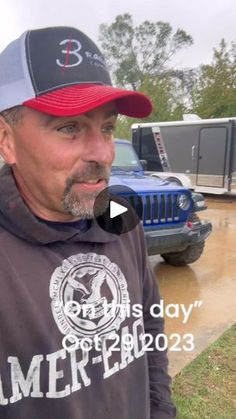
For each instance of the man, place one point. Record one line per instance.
(75, 298)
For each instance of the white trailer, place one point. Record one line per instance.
(204, 150)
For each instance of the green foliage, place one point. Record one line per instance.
(164, 94)
(139, 57)
(135, 53)
(214, 94)
(166, 104)
(123, 127)
(117, 44)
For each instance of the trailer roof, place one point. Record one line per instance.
(174, 123)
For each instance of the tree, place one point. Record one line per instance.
(214, 94)
(167, 103)
(139, 58)
(137, 53)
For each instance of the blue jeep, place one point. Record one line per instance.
(169, 218)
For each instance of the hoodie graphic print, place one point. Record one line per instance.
(74, 306)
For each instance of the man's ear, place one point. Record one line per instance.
(7, 149)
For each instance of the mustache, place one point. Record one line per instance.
(90, 171)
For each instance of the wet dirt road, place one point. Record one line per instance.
(211, 280)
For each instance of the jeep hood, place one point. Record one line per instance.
(142, 184)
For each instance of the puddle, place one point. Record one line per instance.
(212, 280)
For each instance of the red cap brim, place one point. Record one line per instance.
(79, 99)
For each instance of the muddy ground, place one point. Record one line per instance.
(209, 284)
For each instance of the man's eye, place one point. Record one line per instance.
(69, 129)
(109, 129)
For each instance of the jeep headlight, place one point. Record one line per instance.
(183, 202)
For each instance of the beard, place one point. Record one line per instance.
(81, 204)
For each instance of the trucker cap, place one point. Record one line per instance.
(60, 71)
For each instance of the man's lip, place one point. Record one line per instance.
(100, 184)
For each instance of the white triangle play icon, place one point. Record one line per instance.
(116, 209)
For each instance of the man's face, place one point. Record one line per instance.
(62, 163)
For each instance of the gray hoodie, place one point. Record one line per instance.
(68, 301)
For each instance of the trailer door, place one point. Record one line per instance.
(212, 156)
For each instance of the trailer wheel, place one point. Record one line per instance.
(175, 181)
(189, 255)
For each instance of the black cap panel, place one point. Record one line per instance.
(63, 56)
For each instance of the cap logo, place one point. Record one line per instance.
(69, 52)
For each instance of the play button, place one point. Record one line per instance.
(116, 209)
(121, 209)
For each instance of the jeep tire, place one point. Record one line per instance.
(189, 255)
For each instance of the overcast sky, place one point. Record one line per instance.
(207, 21)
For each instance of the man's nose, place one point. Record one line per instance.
(99, 148)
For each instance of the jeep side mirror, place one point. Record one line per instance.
(144, 164)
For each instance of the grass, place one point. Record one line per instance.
(206, 388)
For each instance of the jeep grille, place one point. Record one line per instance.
(159, 208)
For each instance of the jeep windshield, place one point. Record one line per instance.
(126, 159)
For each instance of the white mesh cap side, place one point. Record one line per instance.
(15, 81)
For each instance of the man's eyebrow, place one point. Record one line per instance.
(51, 118)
